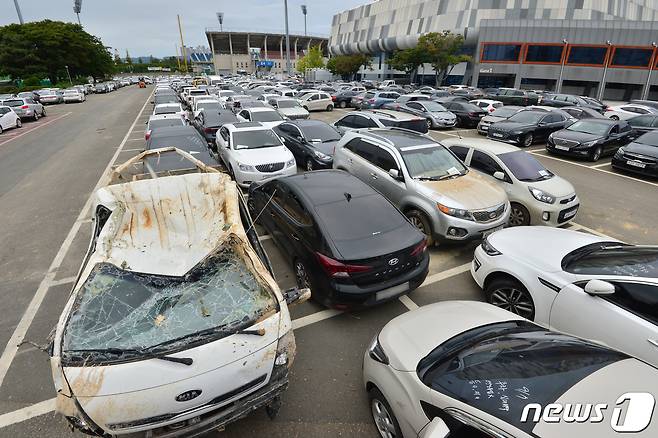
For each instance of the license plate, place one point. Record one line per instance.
(636, 164)
(392, 291)
(485, 233)
(571, 213)
(273, 175)
(562, 148)
(495, 134)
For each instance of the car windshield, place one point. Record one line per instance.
(321, 132)
(288, 104)
(160, 123)
(432, 163)
(13, 103)
(500, 368)
(209, 106)
(648, 139)
(262, 138)
(525, 167)
(589, 127)
(504, 112)
(120, 309)
(418, 125)
(266, 116)
(168, 109)
(526, 117)
(433, 107)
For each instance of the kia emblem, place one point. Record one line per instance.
(188, 395)
(393, 262)
(492, 215)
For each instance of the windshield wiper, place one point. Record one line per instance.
(427, 178)
(139, 352)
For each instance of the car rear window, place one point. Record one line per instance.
(161, 123)
(13, 103)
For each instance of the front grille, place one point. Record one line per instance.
(271, 167)
(489, 215)
(640, 158)
(563, 142)
(568, 200)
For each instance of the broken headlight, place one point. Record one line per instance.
(285, 350)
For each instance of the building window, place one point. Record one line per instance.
(587, 55)
(542, 53)
(631, 57)
(493, 52)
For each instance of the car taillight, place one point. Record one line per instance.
(492, 110)
(333, 98)
(334, 268)
(419, 249)
(147, 134)
(371, 100)
(609, 109)
(25, 107)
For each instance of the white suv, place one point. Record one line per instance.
(253, 152)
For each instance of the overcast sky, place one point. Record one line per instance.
(149, 27)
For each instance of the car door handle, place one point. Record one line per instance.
(653, 342)
(295, 236)
(373, 175)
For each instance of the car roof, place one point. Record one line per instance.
(306, 122)
(245, 126)
(259, 109)
(174, 131)
(164, 117)
(398, 137)
(387, 114)
(494, 147)
(327, 186)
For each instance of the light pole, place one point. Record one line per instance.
(220, 17)
(647, 86)
(558, 88)
(599, 95)
(68, 73)
(77, 7)
(18, 11)
(304, 11)
(285, 5)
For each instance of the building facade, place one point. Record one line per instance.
(249, 52)
(529, 37)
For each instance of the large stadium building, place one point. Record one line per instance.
(248, 52)
(519, 43)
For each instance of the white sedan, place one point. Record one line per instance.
(487, 104)
(8, 118)
(74, 95)
(578, 283)
(268, 117)
(628, 111)
(468, 369)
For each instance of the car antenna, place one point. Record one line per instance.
(348, 196)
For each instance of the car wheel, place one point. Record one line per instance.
(343, 104)
(301, 275)
(596, 154)
(0, 129)
(36, 116)
(519, 215)
(420, 221)
(382, 414)
(306, 108)
(19, 123)
(527, 140)
(614, 117)
(511, 295)
(429, 124)
(309, 164)
(330, 108)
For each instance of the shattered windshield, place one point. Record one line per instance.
(123, 310)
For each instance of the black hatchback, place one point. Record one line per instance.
(345, 241)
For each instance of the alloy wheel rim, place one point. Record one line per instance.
(416, 222)
(597, 154)
(301, 275)
(513, 300)
(309, 165)
(429, 123)
(383, 420)
(516, 217)
(528, 140)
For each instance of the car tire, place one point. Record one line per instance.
(19, 123)
(0, 129)
(509, 294)
(614, 117)
(429, 123)
(519, 216)
(382, 415)
(306, 108)
(309, 165)
(330, 108)
(527, 140)
(420, 221)
(343, 104)
(596, 154)
(301, 274)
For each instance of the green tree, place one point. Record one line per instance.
(442, 49)
(45, 47)
(409, 60)
(347, 66)
(312, 59)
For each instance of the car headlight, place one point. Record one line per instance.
(541, 195)
(246, 167)
(517, 132)
(376, 352)
(589, 144)
(321, 156)
(455, 212)
(290, 163)
(488, 248)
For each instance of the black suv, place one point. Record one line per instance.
(514, 96)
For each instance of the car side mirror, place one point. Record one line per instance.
(499, 176)
(437, 428)
(395, 174)
(599, 287)
(296, 295)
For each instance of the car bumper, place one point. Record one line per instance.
(244, 179)
(479, 270)
(649, 169)
(572, 152)
(465, 230)
(49, 100)
(553, 215)
(352, 296)
(443, 123)
(483, 128)
(512, 139)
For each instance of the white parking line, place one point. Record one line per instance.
(408, 302)
(62, 281)
(621, 175)
(446, 274)
(30, 313)
(265, 237)
(35, 128)
(578, 227)
(596, 166)
(314, 317)
(26, 413)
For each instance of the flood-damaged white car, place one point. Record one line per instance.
(175, 325)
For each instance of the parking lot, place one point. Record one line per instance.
(50, 168)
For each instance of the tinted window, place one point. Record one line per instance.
(541, 53)
(641, 121)
(366, 150)
(504, 112)
(363, 122)
(615, 260)
(501, 52)
(587, 55)
(524, 166)
(320, 132)
(526, 117)
(385, 161)
(165, 122)
(293, 206)
(460, 151)
(13, 103)
(631, 57)
(641, 299)
(552, 118)
(484, 163)
(348, 122)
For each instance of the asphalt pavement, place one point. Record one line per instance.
(49, 169)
